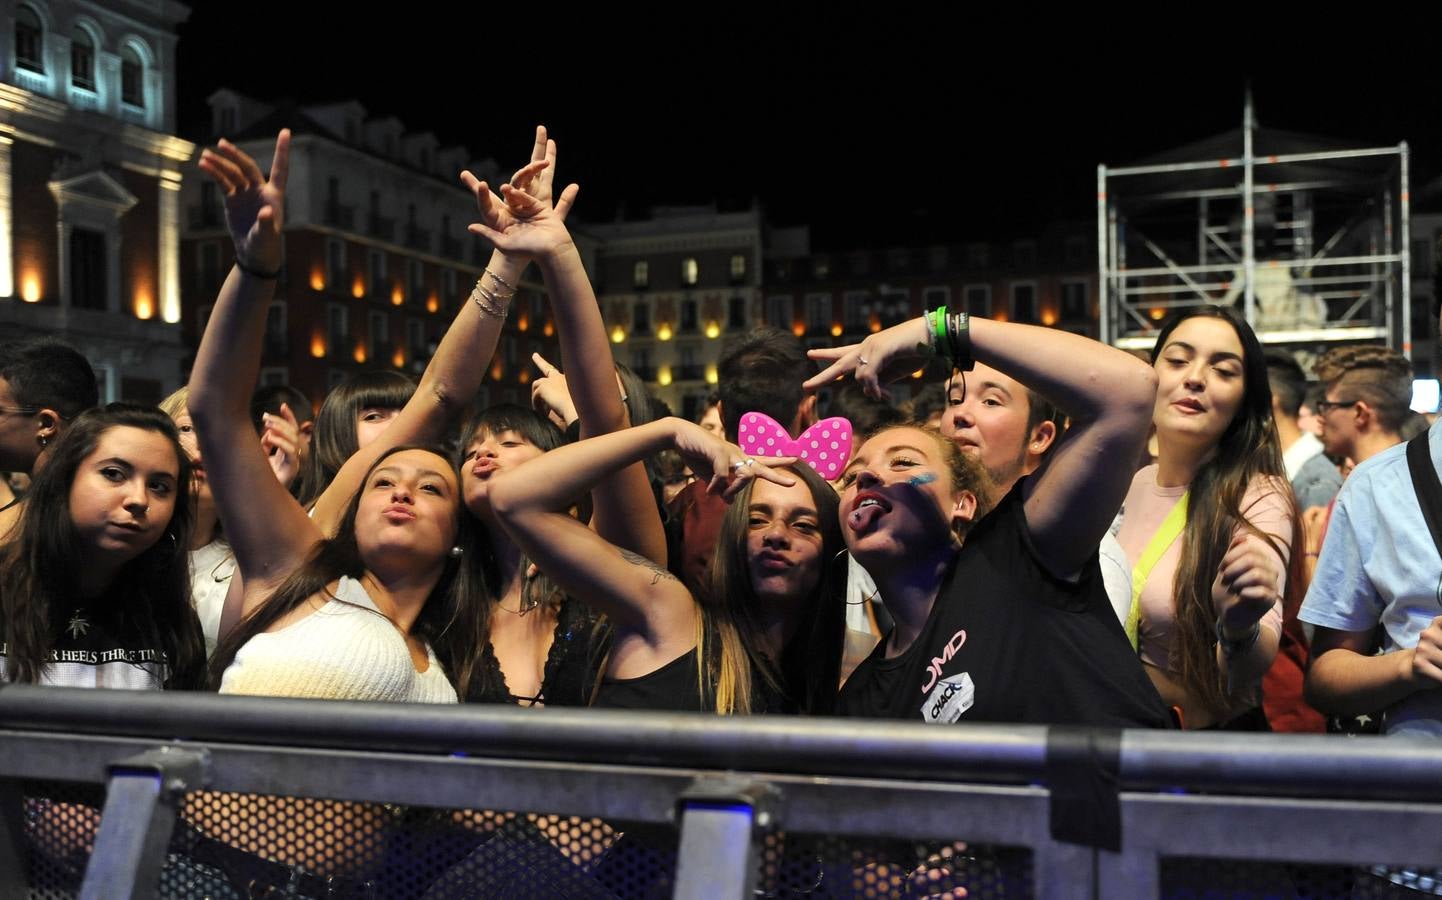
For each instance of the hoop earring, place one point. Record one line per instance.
(456, 551)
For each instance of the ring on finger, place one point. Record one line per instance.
(861, 361)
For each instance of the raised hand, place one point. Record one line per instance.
(549, 394)
(281, 442)
(1248, 583)
(880, 359)
(254, 205)
(522, 220)
(726, 467)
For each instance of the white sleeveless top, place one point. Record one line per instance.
(346, 650)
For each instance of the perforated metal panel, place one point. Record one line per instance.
(817, 865)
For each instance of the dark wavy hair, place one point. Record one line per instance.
(445, 620)
(1248, 450)
(333, 440)
(38, 566)
(732, 621)
(475, 680)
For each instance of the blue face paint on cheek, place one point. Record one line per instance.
(923, 478)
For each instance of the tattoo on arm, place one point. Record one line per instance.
(637, 559)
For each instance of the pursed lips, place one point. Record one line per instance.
(397, 512)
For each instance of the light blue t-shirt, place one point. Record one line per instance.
(1379, 564)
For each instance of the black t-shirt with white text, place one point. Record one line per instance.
(1008, 642)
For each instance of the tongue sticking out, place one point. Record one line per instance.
(864, 517)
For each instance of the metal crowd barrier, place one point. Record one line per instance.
(117, 793)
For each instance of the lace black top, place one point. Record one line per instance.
(577, 648)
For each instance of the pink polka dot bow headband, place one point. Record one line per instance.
(826, 446)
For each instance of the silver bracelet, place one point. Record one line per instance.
(502, 282)
(489, 304)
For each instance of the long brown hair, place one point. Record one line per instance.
(37, 567)
(730, 633)
(445, 622)
(1248, 453)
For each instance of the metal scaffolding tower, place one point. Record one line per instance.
(1309, 236)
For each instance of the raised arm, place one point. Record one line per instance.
(267, 530)
(1108, 395)
(636, 592)
(454, 374)
(625, 509)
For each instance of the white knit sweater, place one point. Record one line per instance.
(346, 650)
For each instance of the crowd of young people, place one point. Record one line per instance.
(1029, 560)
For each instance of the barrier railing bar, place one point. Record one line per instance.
(1336, 832)
(901, 809)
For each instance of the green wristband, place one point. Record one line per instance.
(938, 322)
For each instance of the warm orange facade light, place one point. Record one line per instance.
(522, 322)
(358, 287)
(618, 335)
(836, 331)
(497, 371)
(433, 304)
(317, 279)
(1048, 317)
(713, 330)
(144, 306)
(549, 330)
(798, 329)
(398, 358)
(360, 353)
(663, 376)
(398, 296)
(663, 333)
(524, 376)
(874, 323)
(30, 287)
(317, 345)
(711, 375)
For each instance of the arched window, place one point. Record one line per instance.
(82, 59)
(29, 40)
(132, 77)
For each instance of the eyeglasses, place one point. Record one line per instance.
(1326, 406)
(19, 410)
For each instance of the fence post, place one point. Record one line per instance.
(720, 819)
(135, 825)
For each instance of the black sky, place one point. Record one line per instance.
(946, 130)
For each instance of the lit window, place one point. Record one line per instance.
(132, 78)
(640, 274)
(29, 40)
(82, 60)
(738, 266)
(690, 270)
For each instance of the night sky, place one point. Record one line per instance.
(953, 130)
